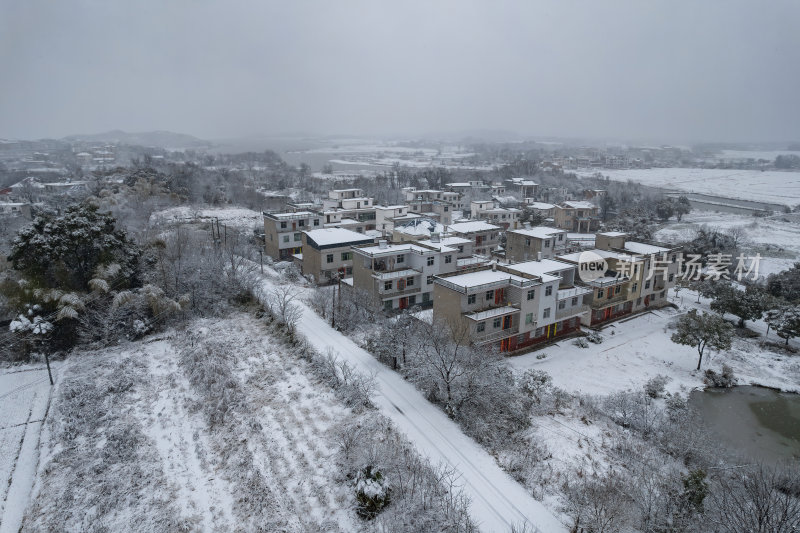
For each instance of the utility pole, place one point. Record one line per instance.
(47, 362)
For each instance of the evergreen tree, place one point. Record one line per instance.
(701, 331)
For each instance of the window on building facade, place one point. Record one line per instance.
(387, 285)
(429, 280)
(647, 284)
(547, 243)
(426, 297)
(671, 277)
(412, 299)
(409, 282)
(617, 289)
(430, 261)
(283, 225)
(529, 318)
(531, 294)
(599, 293)
(562, 304)
(546, 313)
(301, 223)
(470, 299)
(496, 323)
(401, 258)
(548, 290)
(448, 259)
(298, 237)
(316, 222)
(347, 256)
(489, 295)
(285, 238)
(480, 327)
(329, 258)
(575, 300)
(560, 236)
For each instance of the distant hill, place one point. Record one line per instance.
(161, 139)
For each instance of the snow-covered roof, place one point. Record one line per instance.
(470, 227)
(459, 184)
(392, 249)
(471, 280)
(392, 207)
(613, 233)
(539, 268)
(578, 204)
(605, 254)
(539, 232)
(396, 274)
(328, 237)
(492, 313)
(420, 226)
(541, 205)
(641, 248)
(446, 242)
(295, 214)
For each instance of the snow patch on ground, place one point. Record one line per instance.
(237, 217)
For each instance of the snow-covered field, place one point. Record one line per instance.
(24, 395)
(238, 217)
(769, 186)
(498, 502)
(637, 349)
(148, 444)
(777, 240)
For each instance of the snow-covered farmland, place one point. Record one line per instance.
(775, 238)
(769, 186)
(137, 430)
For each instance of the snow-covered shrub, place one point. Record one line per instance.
(541, 356)
(581, 342)
(654, 387)
(724, 379)
(373, 492)
(594, 337)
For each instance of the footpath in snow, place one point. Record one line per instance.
(24, 395)
(498, 502)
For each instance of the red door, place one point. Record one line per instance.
(498, 296)
(606, 313)
(505, 344)
(403, 303)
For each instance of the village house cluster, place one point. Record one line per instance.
(478, 267)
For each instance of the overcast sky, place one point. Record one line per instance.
(682, 70)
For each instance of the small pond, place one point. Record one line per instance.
(757, 422)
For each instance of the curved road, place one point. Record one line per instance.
(497, 501)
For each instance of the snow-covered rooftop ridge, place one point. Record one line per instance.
(468, 227)
(612, 233)
(329, 236)
(539, 232)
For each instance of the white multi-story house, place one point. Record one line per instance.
(283, 232)
(400, 275)
(511, 306)
(540, 242)
(485, 236)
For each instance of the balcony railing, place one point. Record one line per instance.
(481, 338)
(571, 311)
(400, 292)
(605, 302)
